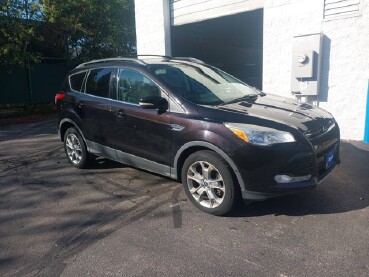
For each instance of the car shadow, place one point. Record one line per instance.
(346, 189)
(103, 163)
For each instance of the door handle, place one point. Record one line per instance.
(120, 113)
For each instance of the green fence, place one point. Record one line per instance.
(37, 84)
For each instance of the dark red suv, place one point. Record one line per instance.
(182, 118)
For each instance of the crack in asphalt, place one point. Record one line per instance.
(176, 208)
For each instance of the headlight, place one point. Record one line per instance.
(259, 135)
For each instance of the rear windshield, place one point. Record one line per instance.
(201, 84)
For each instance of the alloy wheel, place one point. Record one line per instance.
(74, 149)
(205, 184)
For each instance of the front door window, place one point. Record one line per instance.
(133, 86)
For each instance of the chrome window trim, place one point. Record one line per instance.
(83, 82)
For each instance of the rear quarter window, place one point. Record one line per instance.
(76, 81)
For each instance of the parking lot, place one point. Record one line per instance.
(113, 220)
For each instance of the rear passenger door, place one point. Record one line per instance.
(143, 133)
(96, 106)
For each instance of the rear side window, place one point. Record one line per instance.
(98, 82)
(76, 81)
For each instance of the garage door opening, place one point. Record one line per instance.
(232, 43)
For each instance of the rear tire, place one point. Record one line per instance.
(75, 149)
(208, 182)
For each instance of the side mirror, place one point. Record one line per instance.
(154, 102)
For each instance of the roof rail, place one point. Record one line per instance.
(158, 56)
(189, 59)
(112, 60)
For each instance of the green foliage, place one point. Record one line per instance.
(95, 28)
(16, 32)
(24, 9)
(90, 28)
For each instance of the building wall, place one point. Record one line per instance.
(153, 27)
(345, 57)
(189, 11)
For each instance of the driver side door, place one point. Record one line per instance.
(143, 137)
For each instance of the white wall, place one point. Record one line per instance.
(153, 27)
(189, 11)
(345, 65)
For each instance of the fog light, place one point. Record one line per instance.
(283, 179)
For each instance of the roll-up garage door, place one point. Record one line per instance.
(189, 11)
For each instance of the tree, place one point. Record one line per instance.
(17, 31)
(92, 28)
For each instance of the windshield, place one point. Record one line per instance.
(202, 84)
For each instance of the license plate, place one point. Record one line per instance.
(330, 159)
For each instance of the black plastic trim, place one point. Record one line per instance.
(285, 189)
(128, 159)
(211, 147)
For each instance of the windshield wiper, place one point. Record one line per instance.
(259, 92)
(246, 97)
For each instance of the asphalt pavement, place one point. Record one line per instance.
(114, 220)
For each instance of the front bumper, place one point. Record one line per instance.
(259, 165)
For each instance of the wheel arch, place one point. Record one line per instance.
(191, 147)
(65, 124)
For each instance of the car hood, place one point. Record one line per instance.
(307, 118)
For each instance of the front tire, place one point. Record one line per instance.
(75, 148)
(208, 182)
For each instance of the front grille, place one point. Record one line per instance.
(322, 148)
(323, 143)
(314, 133)
(321, 160)
(301, 165)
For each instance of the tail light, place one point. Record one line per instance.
(59, 96)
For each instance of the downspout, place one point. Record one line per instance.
(167, 27)
(366, 131)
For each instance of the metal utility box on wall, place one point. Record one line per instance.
(306, 60)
